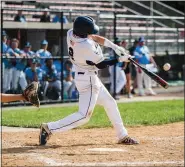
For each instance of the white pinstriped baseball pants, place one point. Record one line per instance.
(92, 92)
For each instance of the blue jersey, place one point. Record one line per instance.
(58, 65)
(43, 54)
(58, 19)
(50, 73)
(142, 54)
(67, 73)
(5, 47)
(8, 62)
(20, 62)
(30, 53)
(30, 74)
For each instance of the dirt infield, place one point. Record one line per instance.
(159, 146)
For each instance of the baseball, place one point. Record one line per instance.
(166, 66)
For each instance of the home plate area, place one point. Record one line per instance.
(159, 146)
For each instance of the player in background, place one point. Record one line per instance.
(51, 79)
(28, 53)
(7, 64)
(20, 64)
(127, 70)
(144, 58)
(120, 75)
(68, 80)
(12, 52)
(27, 50)
(34, 73)
(4, 49)
(43, 53)
(133, 68)
(87, 57)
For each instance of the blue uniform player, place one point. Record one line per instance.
(12, 67)
(6, 65)
(120, 75)
(27, 50)
(28, 53)
(34, 73)
(143, 57)
(43, 52)
(20, 65)
(51, 78)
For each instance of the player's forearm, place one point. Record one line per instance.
(11, 97)
(99, 39)
(103, 64)
(104, 41)
(35, 77)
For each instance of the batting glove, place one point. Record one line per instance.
(121, 51)
(124, 58)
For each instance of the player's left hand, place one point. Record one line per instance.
(120, 51)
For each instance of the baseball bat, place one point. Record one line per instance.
(152, 75)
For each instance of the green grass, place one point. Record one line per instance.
(136, 113)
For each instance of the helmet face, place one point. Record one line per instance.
(84, 25)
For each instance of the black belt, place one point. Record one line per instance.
(84, 73)
(81, 73)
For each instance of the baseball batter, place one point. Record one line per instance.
(87, 58)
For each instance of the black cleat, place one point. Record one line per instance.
(44, 134)
(128, 141)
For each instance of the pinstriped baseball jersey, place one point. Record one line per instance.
(82, 50)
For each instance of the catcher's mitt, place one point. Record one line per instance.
(30, 94)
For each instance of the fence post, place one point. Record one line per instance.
(1, 48)
(147, 31)
(177, 41)
(62, 57)
(70, 16)
(154, 41)
(130, 36)
(114, 94)
(98, 16)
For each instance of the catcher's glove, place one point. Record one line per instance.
(30, 94)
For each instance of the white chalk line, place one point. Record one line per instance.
(51, 162)
(162, 138)
(107, 150)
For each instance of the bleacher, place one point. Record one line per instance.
(80, 8)
(71, 9)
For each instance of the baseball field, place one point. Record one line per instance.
(158, 125)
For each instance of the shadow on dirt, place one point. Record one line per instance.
(27, 148)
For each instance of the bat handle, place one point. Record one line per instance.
(133, 61)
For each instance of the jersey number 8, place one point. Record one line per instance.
(71, 53)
